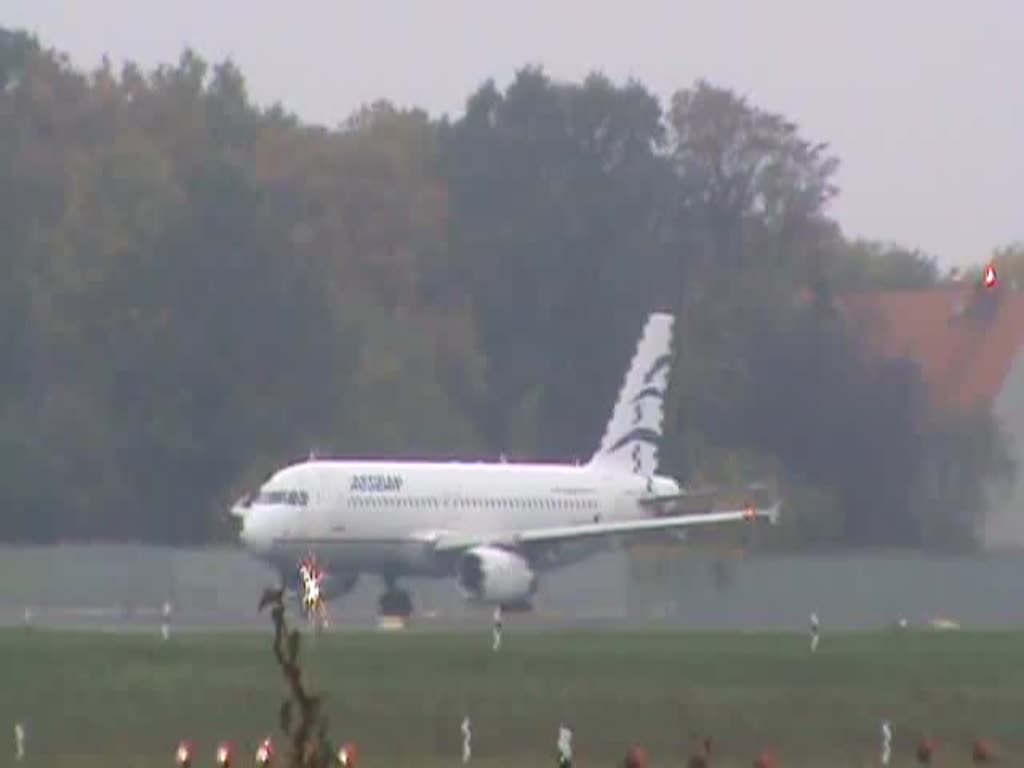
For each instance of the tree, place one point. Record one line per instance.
(968, 462)
(750, 230)
(197, 290)
(1009, 263)
(552, 227)
(756, 186)
(768, 366)
(868, 265)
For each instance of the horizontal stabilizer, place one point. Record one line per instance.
(757, 493)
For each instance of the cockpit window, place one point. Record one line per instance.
(291, 498)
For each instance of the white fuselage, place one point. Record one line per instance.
(490, 525)
(378, 516)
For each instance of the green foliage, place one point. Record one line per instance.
(406, 384)
(960, 446)
(1009, 263)
(861, 265)
(197, 290)
(554, 225)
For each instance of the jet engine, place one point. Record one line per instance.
(497, 577)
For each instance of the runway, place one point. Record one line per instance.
(149, 620)
(97, 587)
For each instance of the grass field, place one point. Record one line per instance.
(120, 700)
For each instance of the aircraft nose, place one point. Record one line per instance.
(257, 532)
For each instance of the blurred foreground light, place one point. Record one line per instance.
(983, 752)
(19, 742)
(926, 751)
(265, 753)
(347, 755)
(636, 757)
(183, 754)
(224, 755)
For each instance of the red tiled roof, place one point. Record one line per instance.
(964, 337)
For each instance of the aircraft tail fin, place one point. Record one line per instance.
(632, 437)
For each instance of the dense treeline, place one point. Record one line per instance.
(197, 289)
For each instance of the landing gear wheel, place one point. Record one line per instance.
(396, 602)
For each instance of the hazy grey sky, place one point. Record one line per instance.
(921, 99)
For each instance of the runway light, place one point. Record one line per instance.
(925, 751)
(183, 754)
(347, 755)
(701, 757)
(636, 757)
(224, 755)
(310, 752)
(982, 752)
(265, 752)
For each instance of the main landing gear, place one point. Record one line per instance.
(395, 601)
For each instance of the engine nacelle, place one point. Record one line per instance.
(497, 577)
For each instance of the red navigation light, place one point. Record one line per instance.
(991, 281)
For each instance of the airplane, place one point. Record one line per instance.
(493, 527)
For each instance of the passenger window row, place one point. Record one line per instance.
(385, 500)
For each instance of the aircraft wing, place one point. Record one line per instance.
(456, 541)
